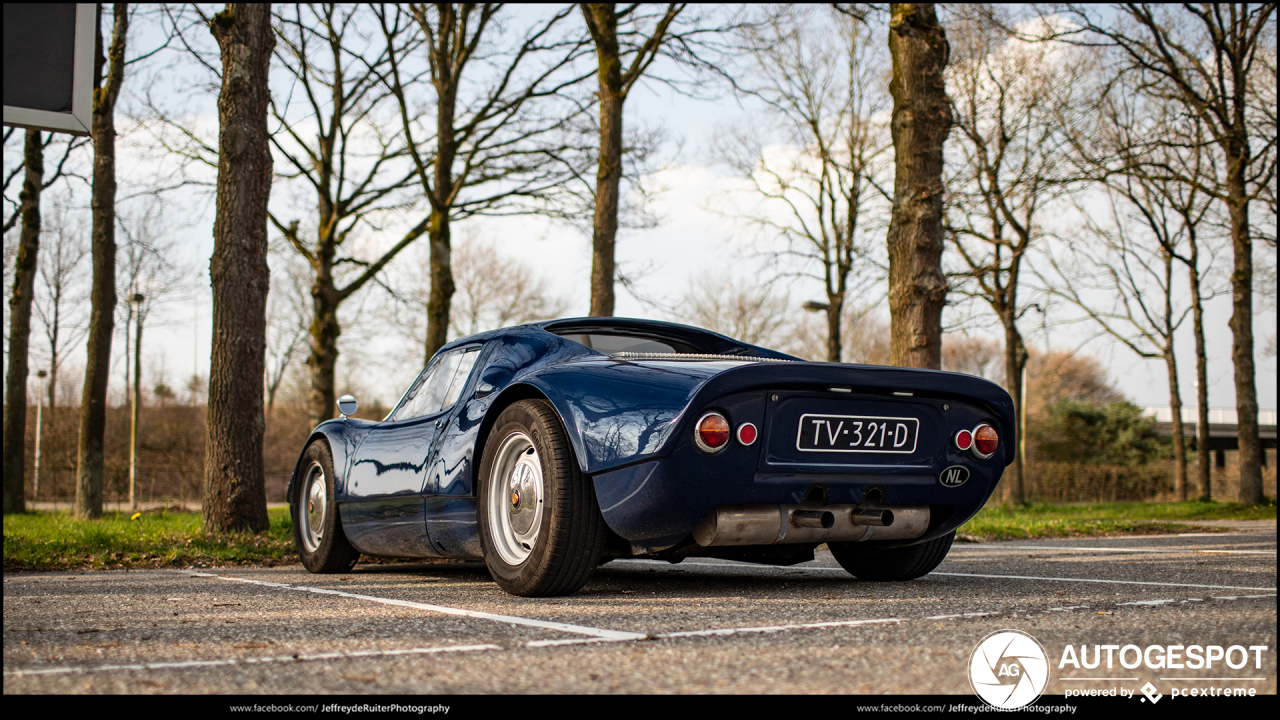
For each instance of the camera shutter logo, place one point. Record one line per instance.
(1008, 669)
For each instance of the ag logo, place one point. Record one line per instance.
(1008, 669)
(954, 476)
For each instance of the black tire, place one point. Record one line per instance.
(317, 526)
(867, 562)
(540, 525)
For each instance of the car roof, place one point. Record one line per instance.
(706, 340)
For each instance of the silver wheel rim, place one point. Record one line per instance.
(515, 499)
(315, 493)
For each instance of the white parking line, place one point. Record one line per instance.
(509, 619)
(976, 575)
(256, 661)
(777, 628)
(721, 632)
(1099, 580)
(1116, 550)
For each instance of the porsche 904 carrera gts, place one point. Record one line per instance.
(547, 449)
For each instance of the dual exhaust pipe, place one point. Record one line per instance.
(782, 524)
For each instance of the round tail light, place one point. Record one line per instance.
(712, 432)
(964, 439)
(985, 441)
(747, 433)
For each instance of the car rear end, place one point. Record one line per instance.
(787, 454)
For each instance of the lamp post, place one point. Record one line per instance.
(135, 300)
(39, 411)
(815, 306)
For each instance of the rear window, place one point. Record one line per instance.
(611, 344)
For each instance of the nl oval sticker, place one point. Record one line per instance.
(954, 476)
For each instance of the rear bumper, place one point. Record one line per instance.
(657, 504)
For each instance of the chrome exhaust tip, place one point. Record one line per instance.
(874, 517)
(813, 519)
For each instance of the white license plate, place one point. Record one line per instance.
(857, 434)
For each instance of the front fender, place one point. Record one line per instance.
(343, 435)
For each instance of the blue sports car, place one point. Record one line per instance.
(547, 449)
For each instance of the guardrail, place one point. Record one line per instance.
(1217, 416)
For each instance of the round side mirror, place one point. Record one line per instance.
(347, 405)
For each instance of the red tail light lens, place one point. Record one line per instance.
(964, 439)
(985, 441)
(712, 432)
(747, 433)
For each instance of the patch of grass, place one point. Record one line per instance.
(56, 541)
(1009, 522)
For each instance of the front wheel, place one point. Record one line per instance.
(317, 528)
(540, 526)
(892, 564)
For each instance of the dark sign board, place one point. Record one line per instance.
(48, 65)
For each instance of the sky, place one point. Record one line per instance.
(690, 238)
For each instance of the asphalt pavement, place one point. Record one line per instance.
(704, 626)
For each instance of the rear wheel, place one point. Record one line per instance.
(540, 526)
(317, 528)
(892, 564)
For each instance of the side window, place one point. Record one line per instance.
(436, 392)
(465, 364)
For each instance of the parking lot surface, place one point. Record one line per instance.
(640, 626)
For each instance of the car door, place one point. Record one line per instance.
(386, 482)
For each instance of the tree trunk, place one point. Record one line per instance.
(323, 359)
(1203, 468)
(136, 412)
(1015, 359)
(234, 488)
(835, 307)
(604, 225)
(1242, 333)
(920, 123)
(93, 401)
(1179, 444)
(15, 410)
(440, 301)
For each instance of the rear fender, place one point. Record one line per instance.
(615, 413)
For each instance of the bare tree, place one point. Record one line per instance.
(866, 336)
(1122, 277)
(234, 486)
(495, 292)
(1117, 141)
(27, 264)
(59, 300)
(148, 278)
(1208, 58)
(501, 103)
(1007, 98)
(628, 39)
(492, 291)
(15, 408)
(109, 77)
(973, 355)
(744, 310)
(287, 325)
(821, 77)
(921, 122)
(148, 265)
(344, 176)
